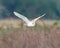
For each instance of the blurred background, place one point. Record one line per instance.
(30, 8)
(46, 32)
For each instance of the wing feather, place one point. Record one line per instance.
(22, 17)
(34, 20)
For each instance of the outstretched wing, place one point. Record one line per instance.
(34, 20)
(22, 17)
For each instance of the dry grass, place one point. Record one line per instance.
(14, 35)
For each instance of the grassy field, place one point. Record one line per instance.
(13, 34)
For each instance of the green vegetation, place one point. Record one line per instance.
(55, 23)
(31, 8)
(19, 25)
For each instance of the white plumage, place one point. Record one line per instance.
(27, 21)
